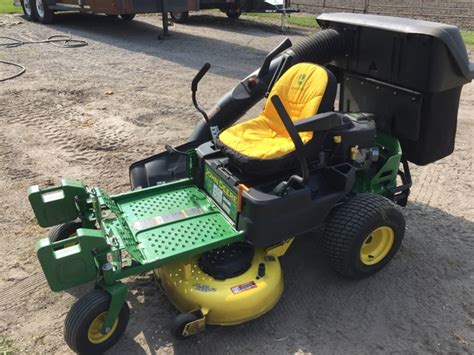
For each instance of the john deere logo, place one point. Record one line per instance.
(301, 80)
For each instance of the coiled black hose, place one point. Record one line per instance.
(57, 40)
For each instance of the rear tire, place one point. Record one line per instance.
(363, 235)
(42, 11)
(82, 324)
(27, 6)
(180, 17)
(127, 17)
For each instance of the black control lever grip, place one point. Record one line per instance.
(270, 56)
(199, 76)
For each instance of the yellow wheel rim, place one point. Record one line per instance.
(94, 333)
(377, 245)
(67, 245)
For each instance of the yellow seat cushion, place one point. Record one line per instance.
(301, 90)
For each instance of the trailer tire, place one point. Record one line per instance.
(180, 17)
(233, 14)
(27, 6)
(127, 17)
(362, 235)
(84, 319)
(43, 13)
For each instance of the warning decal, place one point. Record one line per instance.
(243, 287)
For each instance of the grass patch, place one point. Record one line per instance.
(310, 22)
(7, 7)
(294, 19)
(468, 37)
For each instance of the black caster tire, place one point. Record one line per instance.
(84, 320)
(362, 235)
(180, 17)
(180, 322)
(42, 11)
(233, 14)
(28, 12)
(63, 231)
(127, 17)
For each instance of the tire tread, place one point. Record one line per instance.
(346, 221)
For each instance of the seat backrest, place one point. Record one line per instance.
(302, 89)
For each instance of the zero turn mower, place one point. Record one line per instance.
(212, 217)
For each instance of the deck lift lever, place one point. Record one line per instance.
(194, 86)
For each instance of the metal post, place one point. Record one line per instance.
(164, 16)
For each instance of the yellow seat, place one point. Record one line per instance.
(302, 89)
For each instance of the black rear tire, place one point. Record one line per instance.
(63, 231)
(127, 17)
(42, 11)
(80, 320)
(354, 225)
(180, 17)
(28, 12)
(179, 323)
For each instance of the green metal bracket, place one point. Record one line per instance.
(54, 205)
(118, 291)
(386, 177)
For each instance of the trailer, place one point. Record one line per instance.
(44, 11)
(234, 8)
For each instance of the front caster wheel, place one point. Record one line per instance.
(179, 325)
(63, 231)
(83, 324)
(42, 11)
(363, 235)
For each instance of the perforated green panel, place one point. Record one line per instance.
(158, 204)
(192, 235)
(167, 222)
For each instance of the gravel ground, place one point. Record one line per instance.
(89, 112)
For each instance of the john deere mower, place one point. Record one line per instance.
(211, 218)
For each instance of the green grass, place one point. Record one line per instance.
(298, 20)
(7, 7)
(468, 37)
(310, 21)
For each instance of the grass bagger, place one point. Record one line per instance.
(211, 218)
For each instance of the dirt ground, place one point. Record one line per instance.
(88, 113)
